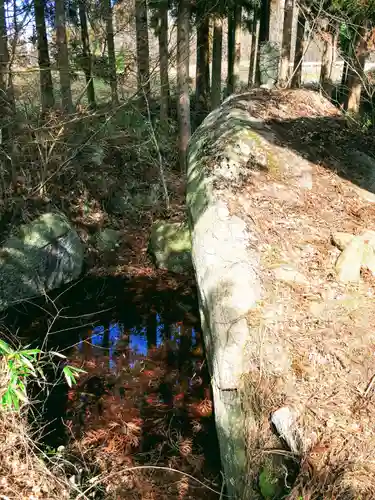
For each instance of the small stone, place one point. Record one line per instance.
(289, 274)
(285, 421)
(107, 240)
(341, 240)
(358, 251)
(348, 265)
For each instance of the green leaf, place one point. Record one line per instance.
(76, 370)
(28, 363)
(4, 347)
(7, 400)
(15, 401)
(30, 352)
(21, 396)
(68, 376)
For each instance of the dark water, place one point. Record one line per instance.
(145, 397)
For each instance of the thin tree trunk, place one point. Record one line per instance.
(63, 56)
(12, 54)
(264, 35)
(46, 86)
(217, 52)
(163, 56)
(344, 76)
(202, 65)
(275, 23)
(300, 47)
(87, 62)
(143, 53)
(237, 50)
(183, 107)
(335, 43)
(327, 55)
(254, 48)
(265, 13)
(231, 51)
(356, 73)
(6, 98)
(111, 53)
(4, 62)
(286, 42)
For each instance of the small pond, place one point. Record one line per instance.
(145, 399)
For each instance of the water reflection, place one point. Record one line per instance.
(145, 396)
(140, 339)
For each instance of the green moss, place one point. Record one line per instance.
(269, 481)
(272, 164)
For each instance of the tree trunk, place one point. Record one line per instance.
(111, 53)
(217, 52)
(327, 58)
(300, 47)
(356, 72)
(275, 23)
(237, 50)
(163, 56)
(86, 53)
(183, 106)
(231, 51)
(264, 34)
(202, 67)
(254, 48)
(286, 42)
(46, 86)
(4, 62)
(63, 56)
(344, 76)
(143, 53)
(264, 28)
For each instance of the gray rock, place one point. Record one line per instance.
(348, 265)
(358, 251)
(39, 257)
(118, 204)
(170, 246)
(107, 240)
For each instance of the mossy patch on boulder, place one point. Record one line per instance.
(170, 246)
(39, 257)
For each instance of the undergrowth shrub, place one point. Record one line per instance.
(18, 366)
(25, 471)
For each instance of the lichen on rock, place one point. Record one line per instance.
(170, 246)
(39, 257)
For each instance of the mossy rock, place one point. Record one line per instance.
(39, 257)
(170, 246)
(107, 240)
(270, 481)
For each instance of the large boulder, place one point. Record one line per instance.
(38, 258)
(170, 246)
(268, 182)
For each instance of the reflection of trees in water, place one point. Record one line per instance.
(157, 390)
(152, 325)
